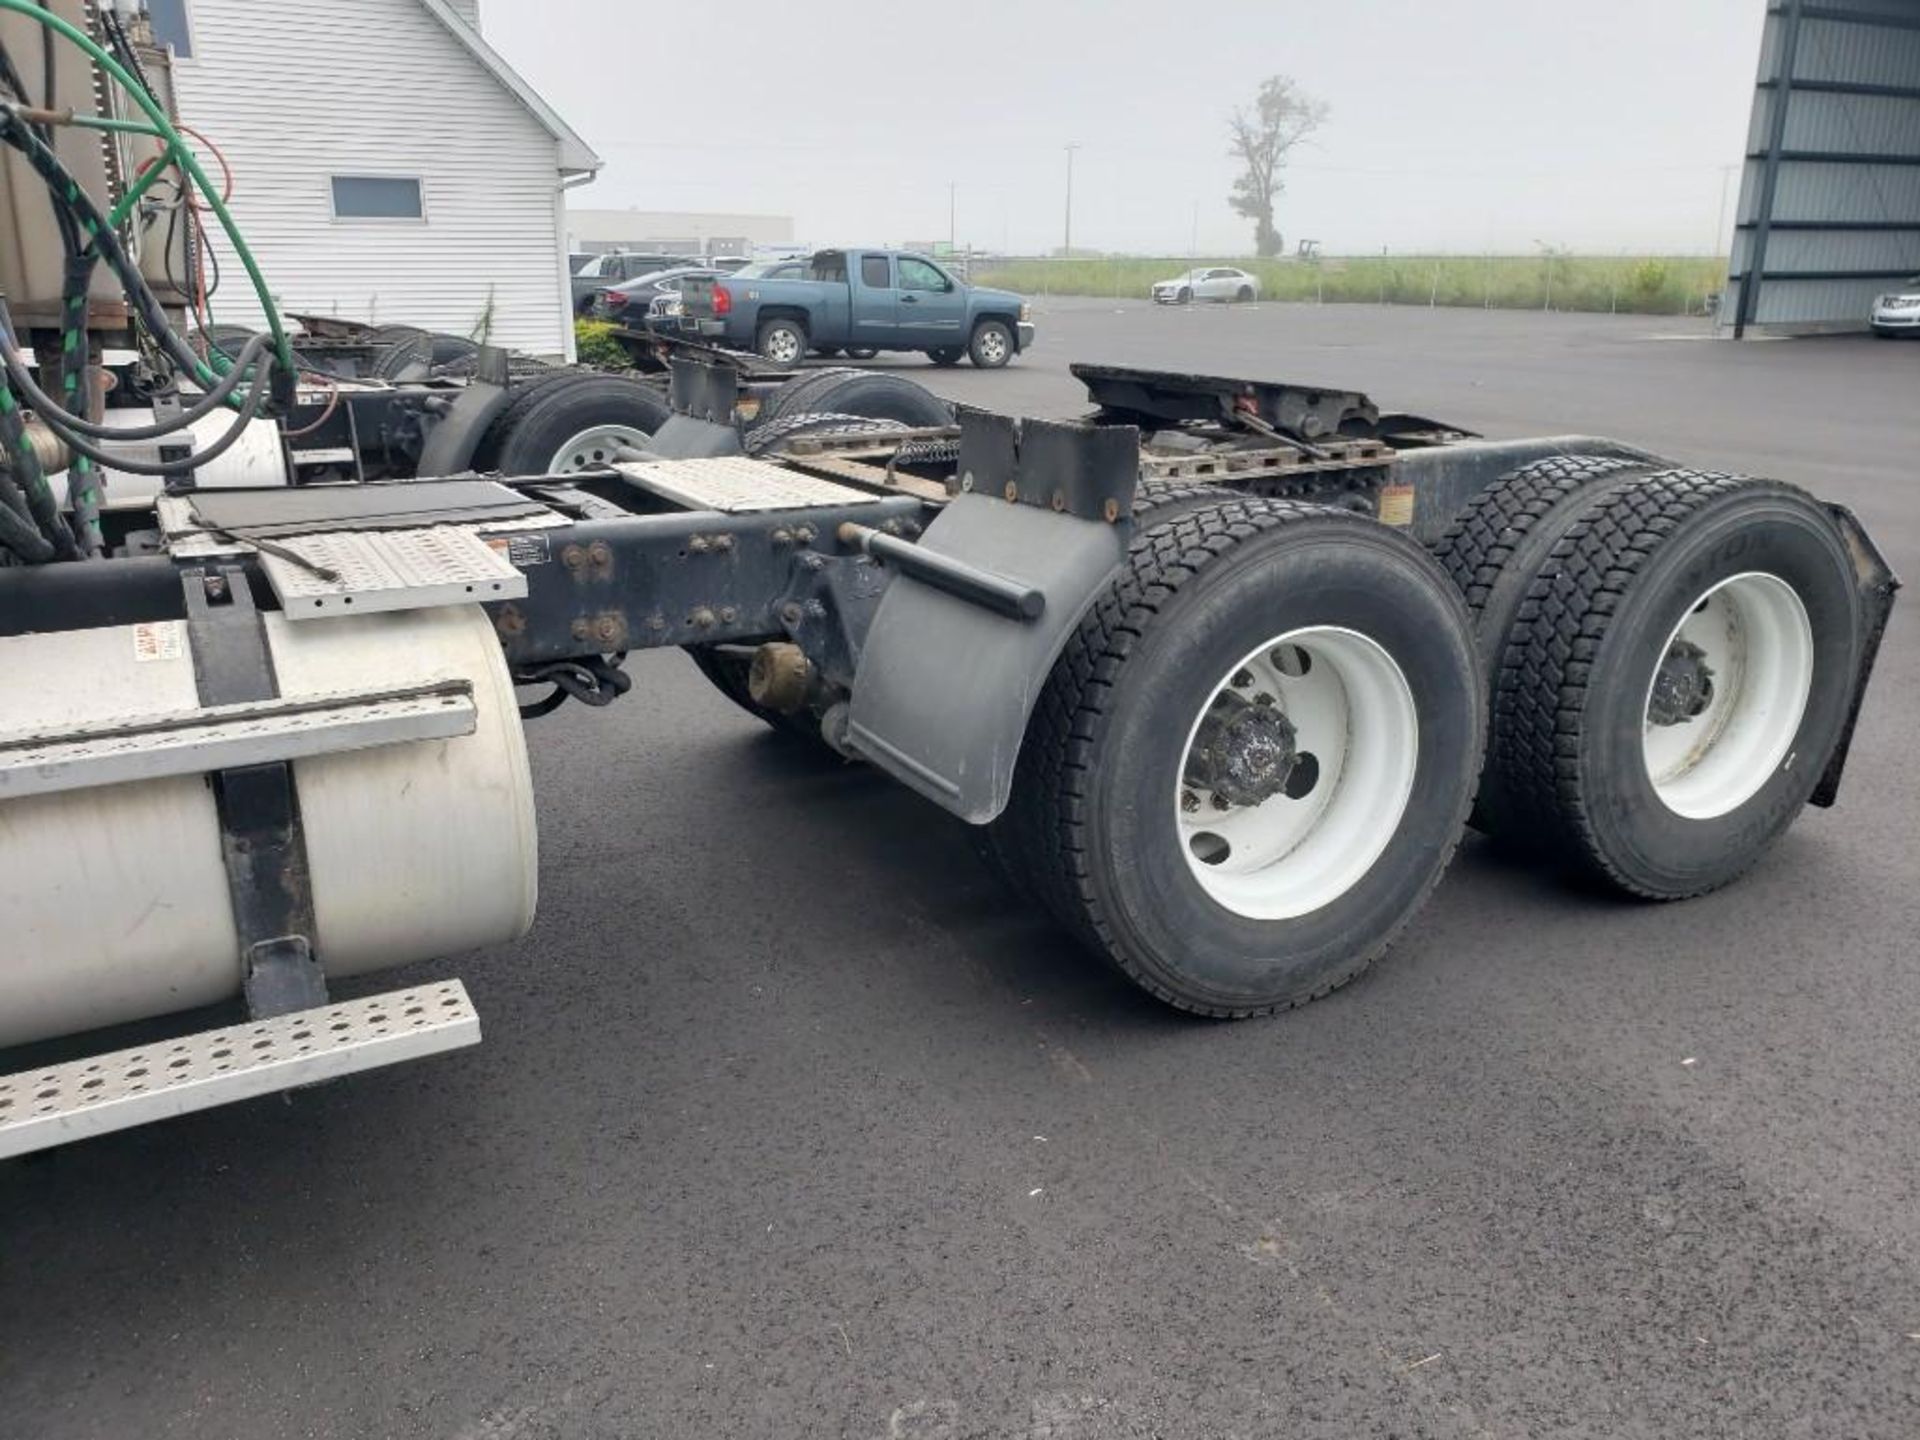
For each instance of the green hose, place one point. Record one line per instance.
(177, 148)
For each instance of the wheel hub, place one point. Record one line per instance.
(1682, 687)
(1245, 752)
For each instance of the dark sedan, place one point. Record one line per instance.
(629, 304)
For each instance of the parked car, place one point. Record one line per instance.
(578, 260)
(1215, 282)
(616, 268)
(631, 303)
(862, 300)
(729, 263)
(1898, 311)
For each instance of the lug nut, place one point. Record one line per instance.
(1219, 803)
(1189, 802)
(1242, 679)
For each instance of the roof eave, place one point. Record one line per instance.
(576, 157)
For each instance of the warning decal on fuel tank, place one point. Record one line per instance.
(162, 640)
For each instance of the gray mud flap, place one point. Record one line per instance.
(945, 686)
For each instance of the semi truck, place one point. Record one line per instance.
(1219, 673)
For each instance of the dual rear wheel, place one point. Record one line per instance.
(1256, 755)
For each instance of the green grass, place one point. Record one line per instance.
(1644, 285)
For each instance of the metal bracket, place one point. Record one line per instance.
(261, 838)
(1088, 471)
(455, 433)
(283, 978)
(703, 389)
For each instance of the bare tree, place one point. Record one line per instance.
(1261, 138)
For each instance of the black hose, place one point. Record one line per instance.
(16, 531)
(25, 460)
(248, 413)
(100, 236)
(65, 420)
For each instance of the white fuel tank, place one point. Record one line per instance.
(115, 905)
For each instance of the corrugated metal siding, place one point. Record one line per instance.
(1835, 190)
(295, 94)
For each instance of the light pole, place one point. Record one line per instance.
(1067, 250)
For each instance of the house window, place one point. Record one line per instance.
(170, 27)
(377, 197)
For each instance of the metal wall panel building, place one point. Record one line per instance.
(1829, 213)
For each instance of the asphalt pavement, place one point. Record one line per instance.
(790, 1123)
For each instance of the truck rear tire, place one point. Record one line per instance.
(572, 421)
(991, 346)
(874, 395)
(1496, 545)
(1253, 760)
(1002, 845)
(1680, 676)
(781, 342)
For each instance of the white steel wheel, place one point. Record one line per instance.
(1297, 772)
(1726, 700)
(596, 448)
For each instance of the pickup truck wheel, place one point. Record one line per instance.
(1497, 544)
(826, 352)
(1254, 758)
(947, 356)
(783, 342)
(992, 345)
(861, 352)
(1680, 680)
(573, 421)
(871, 394)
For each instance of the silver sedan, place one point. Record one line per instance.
(1898, 311)
(1210, 282)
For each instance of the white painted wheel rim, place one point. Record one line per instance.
(1353, 712)
(993, 346)
(1758, 644)
(783, 347)
(595, 449)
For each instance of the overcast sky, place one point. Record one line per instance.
(1460, 126)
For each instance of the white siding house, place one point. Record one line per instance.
(388, 165)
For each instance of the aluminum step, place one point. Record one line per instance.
(354, 572)
(223, 737)
(83, 1098)
(735, 485)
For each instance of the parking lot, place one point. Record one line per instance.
(789, 1122)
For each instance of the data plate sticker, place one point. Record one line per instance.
(522, 551)
(1396, 505)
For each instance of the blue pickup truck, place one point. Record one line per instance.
(861, 300)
